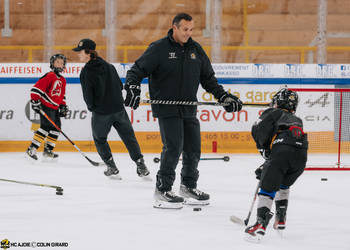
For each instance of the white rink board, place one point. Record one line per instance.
(14, 96)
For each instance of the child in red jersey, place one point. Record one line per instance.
(48, 94)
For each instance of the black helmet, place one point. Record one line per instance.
(54, 58)
(286, 99)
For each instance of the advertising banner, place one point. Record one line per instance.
(253, 83)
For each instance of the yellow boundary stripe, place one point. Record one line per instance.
(227, 142)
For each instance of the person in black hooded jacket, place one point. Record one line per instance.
(175, 66)
(102, 91)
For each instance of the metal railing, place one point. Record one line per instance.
(126, 48)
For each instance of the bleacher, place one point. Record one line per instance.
(268, 31)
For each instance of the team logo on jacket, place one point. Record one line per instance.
(172, 55)
(56, 89)
(193, 56)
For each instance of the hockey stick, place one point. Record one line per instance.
(94, 163)
(192, 103)
(225, 158)
(59, 189)
(237, 220)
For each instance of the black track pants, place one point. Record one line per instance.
(101, 126)
(179, 135)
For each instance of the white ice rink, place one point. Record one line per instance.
(98, 213)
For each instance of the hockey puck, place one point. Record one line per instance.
(156, 159)
(324, 179)
(197, 209)
(226, 158)
(59, 191)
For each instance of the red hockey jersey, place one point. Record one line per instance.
(50, 90)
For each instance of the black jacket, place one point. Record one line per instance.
(174, 73)
(279, 127)
(102, 87)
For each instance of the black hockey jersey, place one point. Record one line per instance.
(279, 126)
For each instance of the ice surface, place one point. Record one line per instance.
(98, 213)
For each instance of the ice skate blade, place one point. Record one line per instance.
(280, 227)
(115, 177)
(194, 202)
(167, 205)
(236, 220)
(30, 159)
(253, 239)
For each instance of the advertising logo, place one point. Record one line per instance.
(262, 70)
(325, 70)
(71, 114)
(345, 70)
(5, 244)
(293, 70)
(31, 114)
(323, 100)
(122, 68)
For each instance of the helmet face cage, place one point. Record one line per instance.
(54, 58)
(286, 99)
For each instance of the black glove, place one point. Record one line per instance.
(258, 171)
(63, 110)
(265, 153)
(234, 101)
(36, 105)
(132, 95)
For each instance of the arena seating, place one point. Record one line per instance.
(269, 23)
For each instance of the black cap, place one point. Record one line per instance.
(85, 44)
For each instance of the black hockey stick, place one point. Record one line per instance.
(225, 158)
(192, 103)
(59, 189)
(235, 219)
(94, 163)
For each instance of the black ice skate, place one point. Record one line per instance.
(194, 196)
(142, 170)
(167, 200)
(113, 173)
(48, 155)
(256, 232)
(281, 214)
(112, 170)
(31, 153)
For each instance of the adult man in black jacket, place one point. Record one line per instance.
(175, 65)
(102, 91)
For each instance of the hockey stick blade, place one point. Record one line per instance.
(94, 163)
(237, 220)
(245, 222)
